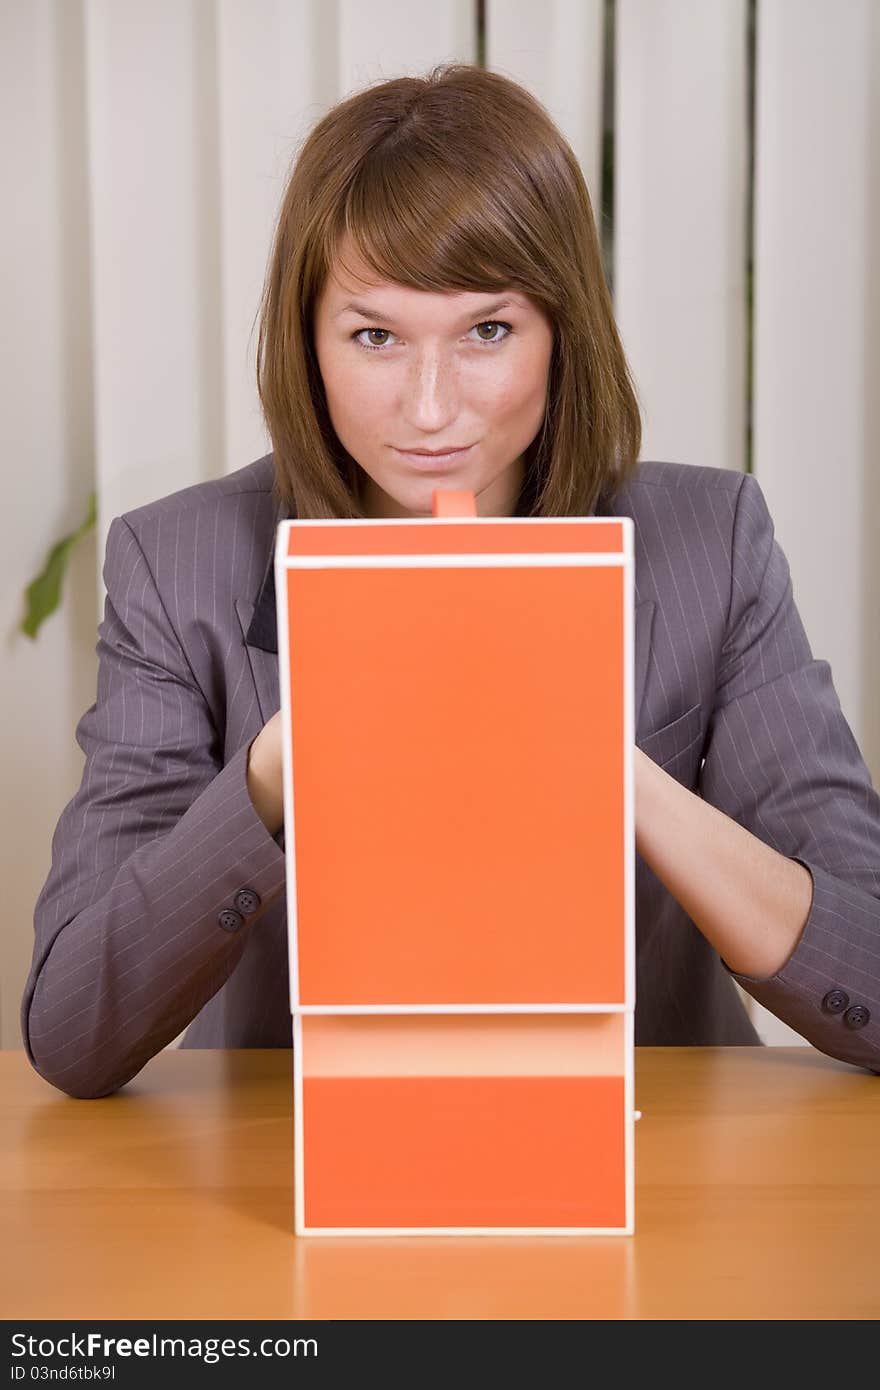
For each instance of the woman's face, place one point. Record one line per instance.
(431, 390)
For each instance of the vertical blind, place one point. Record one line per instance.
(732, 151)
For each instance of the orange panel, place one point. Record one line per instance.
(464, 1151)
(458, 785)
(483, 538)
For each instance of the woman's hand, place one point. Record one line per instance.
(747, 899)
(264, 775)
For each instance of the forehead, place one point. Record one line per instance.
(349, 270)
(351, 280)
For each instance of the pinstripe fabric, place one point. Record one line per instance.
(161, 834)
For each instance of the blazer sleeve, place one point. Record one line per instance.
(146, 858)
(781, 759)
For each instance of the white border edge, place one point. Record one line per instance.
(282, 541)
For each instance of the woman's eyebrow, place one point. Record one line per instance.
(375, 316)
(364, 311)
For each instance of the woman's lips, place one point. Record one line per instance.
(432, 463)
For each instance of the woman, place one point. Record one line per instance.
(435, 312)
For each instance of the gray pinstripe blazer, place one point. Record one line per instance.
(161, 836)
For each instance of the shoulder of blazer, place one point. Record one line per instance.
(255, 479)
(684, 518)
(691, 478)
(207, 547)
(680, 507)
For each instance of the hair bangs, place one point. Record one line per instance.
(418, 219)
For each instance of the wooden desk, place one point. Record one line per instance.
(757, 1181)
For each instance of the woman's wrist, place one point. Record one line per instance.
(264, 782)
(748, 900)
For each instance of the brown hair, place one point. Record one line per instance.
(454, 181)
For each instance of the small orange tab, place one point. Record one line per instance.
(448, 502)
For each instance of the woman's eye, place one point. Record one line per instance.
(491, 331)
(373, 337)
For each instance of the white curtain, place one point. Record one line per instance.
(145, 147)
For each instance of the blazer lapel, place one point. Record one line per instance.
(259, 627)
(263, 663)
(644, 622)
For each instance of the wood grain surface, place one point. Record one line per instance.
(757, 1196)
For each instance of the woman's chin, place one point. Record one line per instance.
(409, 498)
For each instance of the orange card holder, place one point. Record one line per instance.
(456, 696)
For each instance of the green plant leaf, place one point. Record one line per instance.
(43, 594)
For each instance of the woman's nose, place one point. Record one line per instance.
(431, 390)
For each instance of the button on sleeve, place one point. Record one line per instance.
(857, 1016)
(247, 901)
(229, 919)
